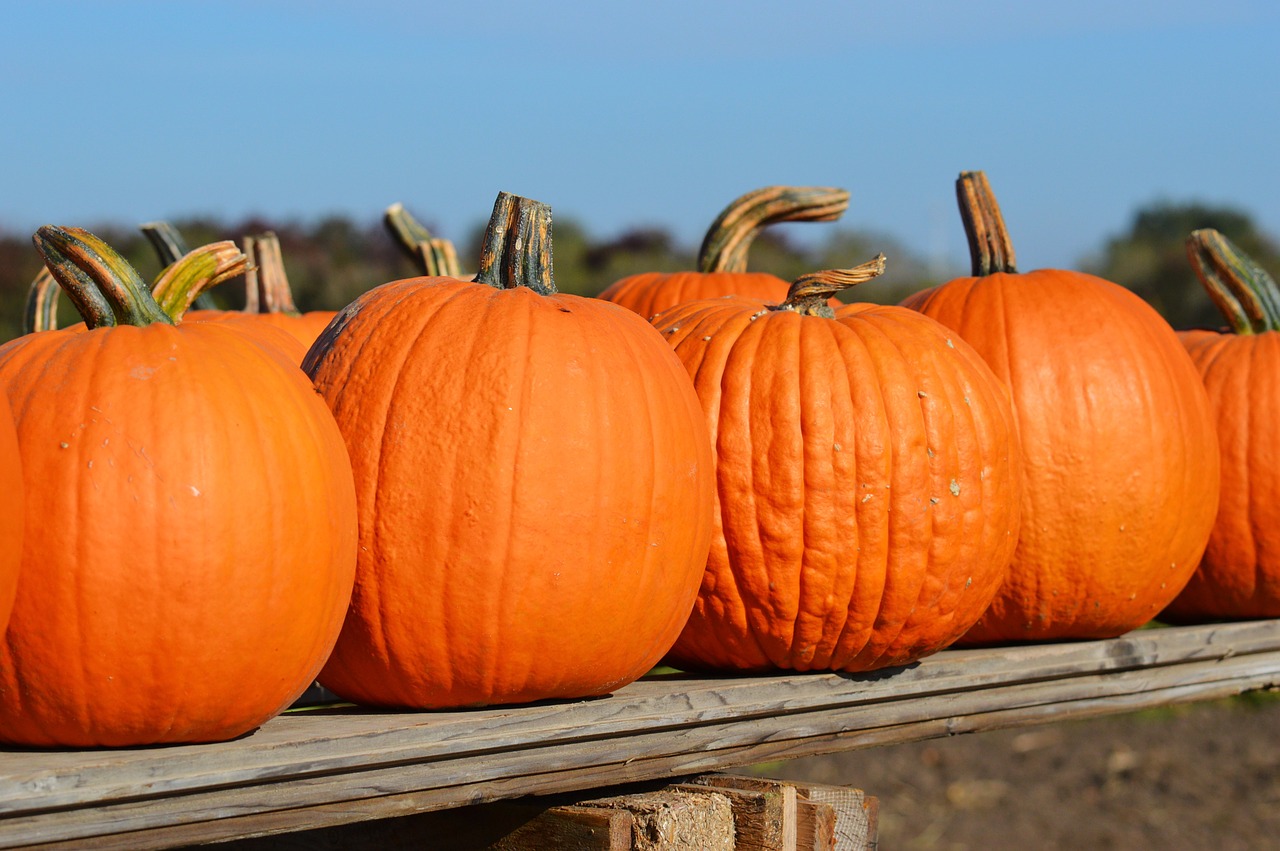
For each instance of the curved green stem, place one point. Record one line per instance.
(41, 310)
(105, 289)
(809, 293)
(407, 231)
(516, 249)
(1247, 296)
(724, 248)
(207, 266)
(170, 248)
(990, 249)
(266, 282)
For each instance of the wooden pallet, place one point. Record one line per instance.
(342, 765)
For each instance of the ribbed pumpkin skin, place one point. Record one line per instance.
(534, 485)
(1118, 444)
(11, 512)
(190, 544)
(1239, 575)
(867, 490)
(653, 292)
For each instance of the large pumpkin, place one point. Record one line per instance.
(11, 512)
(190, 521)
(867, 481)
(1118, 439)
(534, 483)
(1239, 576)
(722, 260)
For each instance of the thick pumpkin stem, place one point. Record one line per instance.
(516, 249)
(41, 310)
(990, 249)
(104, 288)
(266, 283)
(809, 293)
(1247, 296)
(170, 247)
(724, 249)
(207, 266)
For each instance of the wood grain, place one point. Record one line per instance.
(345, 764)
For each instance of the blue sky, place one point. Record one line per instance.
(651, 113)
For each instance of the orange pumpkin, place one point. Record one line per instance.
(722, 260)
(1118, 438)
(533, 478)
(190, 521)
(1239, 576)
(867, 481)
(11, 512)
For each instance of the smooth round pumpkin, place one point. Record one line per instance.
(722, 260)
(1239, 575)
(1118, 439)
(533, 480)
(867, 482)
(12, 513)
(190, 522)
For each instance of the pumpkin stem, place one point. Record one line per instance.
(438, 258)
(990, 249)
(266, 283)
(207, 266)
(170, 247)
(724, 248)
(104, 288)
(1247, 296)
(407, 231)
(41, 310)
(433, 256)
(516, 248)
(809, 293)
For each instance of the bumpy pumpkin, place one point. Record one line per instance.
(1239, 576)
(533, 478)
(190, 520)
(867, 481)
(722, 260)
(1118, 439)
(11, 512)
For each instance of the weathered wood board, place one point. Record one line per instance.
(346, 764)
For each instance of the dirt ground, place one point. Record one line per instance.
(1202, 776)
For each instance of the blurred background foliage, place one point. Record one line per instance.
(332, 260)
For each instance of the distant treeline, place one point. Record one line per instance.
(332, 261)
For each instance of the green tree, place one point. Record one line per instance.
(1150, 258)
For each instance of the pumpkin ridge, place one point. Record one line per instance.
(898, 588)
(959, 421)
(871, 453)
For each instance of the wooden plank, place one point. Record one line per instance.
(332, 767)
(214, 813)
(347, 740)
